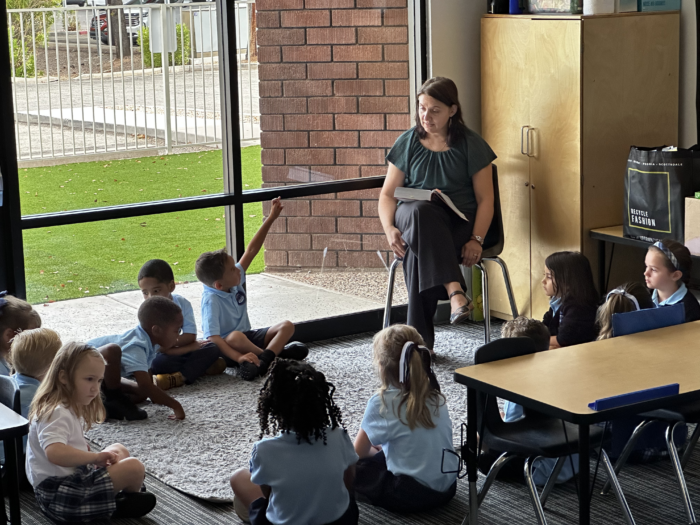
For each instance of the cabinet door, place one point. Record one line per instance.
(505, 109)
(555, 164)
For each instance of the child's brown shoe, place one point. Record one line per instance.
(217, 367)
(168, 381)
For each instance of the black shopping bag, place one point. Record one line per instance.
(656, 184)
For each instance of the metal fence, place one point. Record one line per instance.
(93, 79)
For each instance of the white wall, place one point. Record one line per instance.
(687, 134)
(455, 50)
(454, 37)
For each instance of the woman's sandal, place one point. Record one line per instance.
(461, 313)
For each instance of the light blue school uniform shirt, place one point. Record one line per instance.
(418, 452)
(189, 325)
(306, 478)
(225, 312)
(138, 351)
(677, 296)
(4, 367)
(27, 389)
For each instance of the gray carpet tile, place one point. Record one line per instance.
(651, 490)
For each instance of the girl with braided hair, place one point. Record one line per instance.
(406, 430)
(304, 473)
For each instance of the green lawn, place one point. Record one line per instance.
(81, 260)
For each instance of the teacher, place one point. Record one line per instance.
(438, 152)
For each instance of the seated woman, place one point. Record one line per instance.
(438, 152)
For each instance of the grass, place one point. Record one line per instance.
(96, 258)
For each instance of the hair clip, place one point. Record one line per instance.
(668, 253)
(619, 291)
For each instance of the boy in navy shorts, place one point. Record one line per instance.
(225, 311)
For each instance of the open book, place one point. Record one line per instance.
(413, 194)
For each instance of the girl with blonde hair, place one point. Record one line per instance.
(71, 483)
(405, 429)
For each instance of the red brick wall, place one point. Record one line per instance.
(334, 95)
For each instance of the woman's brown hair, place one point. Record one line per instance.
(444, 90)
(388, 345)
(52, 392)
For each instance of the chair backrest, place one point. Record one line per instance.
(9, 394)
(493, 242)
(648, 319)
(495, 351)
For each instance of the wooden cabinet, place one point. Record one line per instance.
(563, 99)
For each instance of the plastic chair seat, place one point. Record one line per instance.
(686, 413)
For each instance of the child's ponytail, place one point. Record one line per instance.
(416, 398)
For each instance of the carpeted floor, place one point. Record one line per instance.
(198, 454)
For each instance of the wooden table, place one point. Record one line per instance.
(12, 428)
(613, 235)
(560, 383)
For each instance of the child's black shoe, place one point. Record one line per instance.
(295, 350)
(248, 371)
(119, 406)
(134, 504)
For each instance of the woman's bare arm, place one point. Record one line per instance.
(387, 209)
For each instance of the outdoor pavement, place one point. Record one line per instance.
(270, 299)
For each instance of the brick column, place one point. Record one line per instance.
(334, 95)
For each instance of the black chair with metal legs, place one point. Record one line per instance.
(531, 437)
(9, 396)
(493, 247)
(673, 417)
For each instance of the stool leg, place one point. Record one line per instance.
(626, 512)
(493, 472)
(690, 446)
(390, 292)
(539, 511)
(625, 453)
(485, 302)
(676, 463)
(509, 287)
(11, 464)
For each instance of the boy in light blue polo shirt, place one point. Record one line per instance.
(225, 310)
(130, 355)
(188, 359)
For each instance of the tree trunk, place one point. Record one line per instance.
(115, 27)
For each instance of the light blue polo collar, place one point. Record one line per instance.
(555, 304)
(214, 291)
(677, 296)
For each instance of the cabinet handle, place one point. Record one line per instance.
(522, 151)
(529, 129)
(527, 184)
(533, 186)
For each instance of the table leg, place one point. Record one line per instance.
(584, 502)
(601, 267)
(472, 475)
(12, 479)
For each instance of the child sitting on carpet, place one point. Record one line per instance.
(71, 483)
(130, 355)
(225, 311)
(304, 473)
(15, 315)
(178, 365)
(405, 429)
(31, 355)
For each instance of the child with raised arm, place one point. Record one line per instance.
(15, 315)
(225, 311)
(188, 359)
(71, 483)
(129, 355)
(668, 265)
(303, 473)
(406, 430)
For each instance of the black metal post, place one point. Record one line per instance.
(584, 501)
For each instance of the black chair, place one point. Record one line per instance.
(9, 396)
(493, 247)
(641, 321)
(532, 437)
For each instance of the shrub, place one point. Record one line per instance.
(21, 29)
(182, 56)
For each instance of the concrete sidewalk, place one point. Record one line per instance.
(270, 300)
